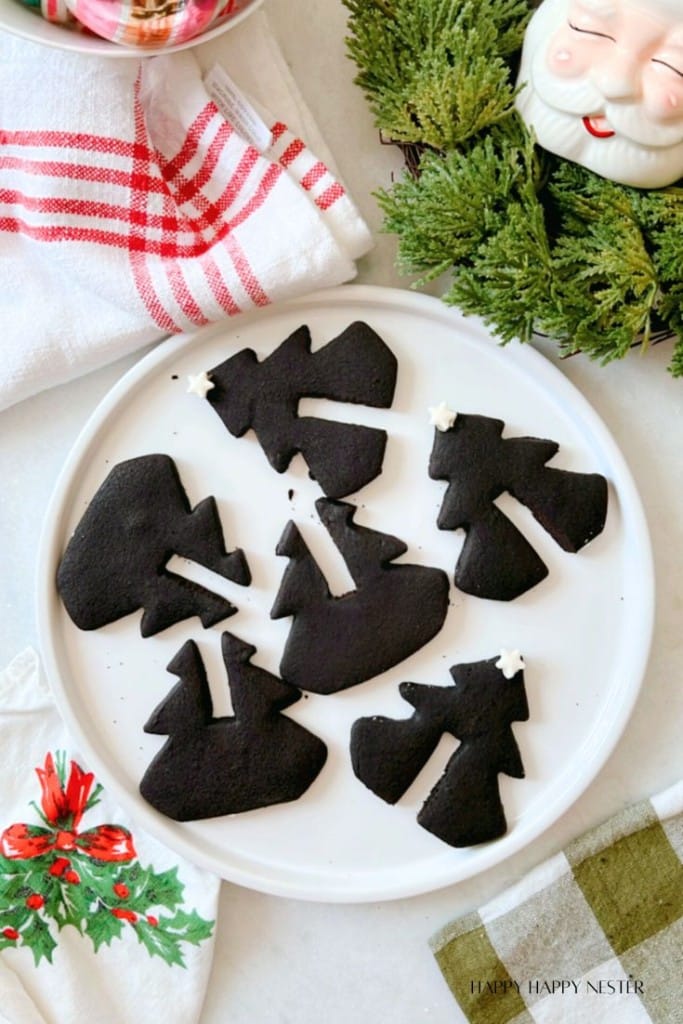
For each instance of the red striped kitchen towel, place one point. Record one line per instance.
(141, 198)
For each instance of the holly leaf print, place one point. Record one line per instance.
(160, 942)
(14, 887)
(11, 867)
(65, 872)
(163, 936)
(38, 938)
(13, 917)
(190, 927)
(102, 927)
(73, 903)
(164, 889)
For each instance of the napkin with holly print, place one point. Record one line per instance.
(593, 934)
(98, 921)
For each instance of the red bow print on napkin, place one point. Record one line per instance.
(63, 805)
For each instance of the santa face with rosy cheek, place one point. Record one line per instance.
(603, 86)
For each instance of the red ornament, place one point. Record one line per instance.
(121, 890)
(35, 901)
(10, 933)
(151, 919)
(73, 877)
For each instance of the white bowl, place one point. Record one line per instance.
(26, 22)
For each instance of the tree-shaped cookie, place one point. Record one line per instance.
(354, 367)
(336, 642)
(389, 753)
(464, 808)
(496, 560)
(114, 563)
(215, 766)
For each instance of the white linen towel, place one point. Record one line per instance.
(98, 921)
(134, 205)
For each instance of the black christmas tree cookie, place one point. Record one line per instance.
(464, 807)
(356, 366)
(337, 642)
(496, 560)
(114, 564)
(216, 766)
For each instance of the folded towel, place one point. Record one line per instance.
(133, 205)
(98, 922)
(594, 934)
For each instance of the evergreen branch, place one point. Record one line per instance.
(606, 285)
(676, 365)
(436, 228)
(533, 242)
(428, 70)
(511, 275)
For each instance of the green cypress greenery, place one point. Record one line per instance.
(532, 243)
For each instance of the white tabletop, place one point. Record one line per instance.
(278, 960)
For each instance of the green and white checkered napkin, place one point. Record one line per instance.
(593, 934)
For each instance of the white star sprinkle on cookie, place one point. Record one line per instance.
(510, 663)
(441, 417)
(199, 384)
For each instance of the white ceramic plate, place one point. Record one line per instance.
(584, 631)
(24, 21)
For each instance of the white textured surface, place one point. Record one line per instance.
(286, 962)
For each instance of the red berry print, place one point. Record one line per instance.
(59, 866)
(73, 877)
(35, 901)
(154, 921)
(10, 933)
(125, 915)
(121, 890)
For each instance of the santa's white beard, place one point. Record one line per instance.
(581, 97)
(616, 158)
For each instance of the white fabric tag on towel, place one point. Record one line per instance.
(236, 109)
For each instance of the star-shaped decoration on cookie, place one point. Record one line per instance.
(510, 662)
(441, 417)
(199, 384)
